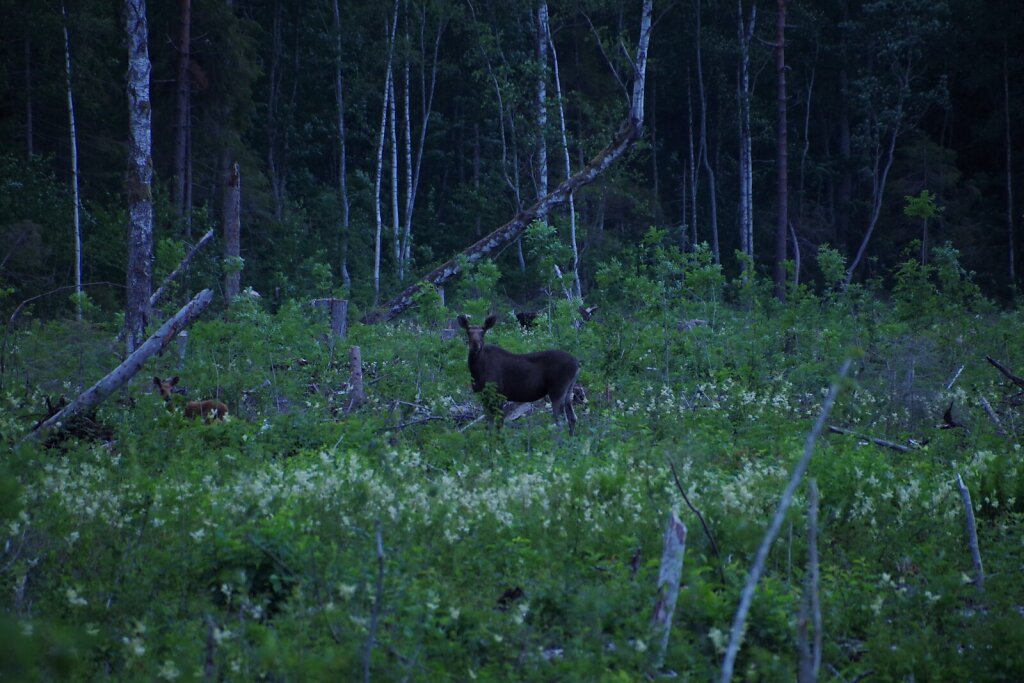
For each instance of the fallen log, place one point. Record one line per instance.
(117, 378)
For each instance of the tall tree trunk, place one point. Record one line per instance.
(656, 189)
(694, 179)
(1009, 171)
(396, 221)
(29, 118)
(274, 79)
(542, 100)
(844, 193)
(75, 199)
(378, 182)
(630, 130)
(232, 231)
(427, 91)
(140, 175)
(339, 100)
(182, 106)
(781, 155)
(885, 152)
(577, 287)
(745, 32)
(712, 184)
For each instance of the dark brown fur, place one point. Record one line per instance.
(210, 409)
(522, 377)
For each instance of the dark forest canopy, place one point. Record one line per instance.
(940, 83)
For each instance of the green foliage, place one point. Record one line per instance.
(922, 206)
(938, 289)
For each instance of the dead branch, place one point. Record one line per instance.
(747, 597)
(955, 377)
(878, 442)
(96, 394)
(180, 268)
(972, 534)
(704, 524)
(987, 407)
(1019, 381)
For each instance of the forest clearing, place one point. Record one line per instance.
(455, 340)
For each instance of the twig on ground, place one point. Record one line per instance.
(878, 442)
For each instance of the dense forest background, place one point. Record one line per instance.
(885, 100)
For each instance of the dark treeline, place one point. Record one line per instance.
(452, 122)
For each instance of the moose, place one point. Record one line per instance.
(522, 377)
(210, 409)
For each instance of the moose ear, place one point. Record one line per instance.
(489, 323)
(156, 381)
(464, 322)
(174, 380)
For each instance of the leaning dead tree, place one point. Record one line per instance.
(98, 392)
(628, 133)
(180, 268)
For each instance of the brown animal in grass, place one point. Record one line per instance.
(522, 377)
(210, 409)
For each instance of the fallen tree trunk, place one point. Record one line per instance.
(628, 133)
(98, 392)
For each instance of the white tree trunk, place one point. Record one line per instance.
(76, 200)
(378, 210)
(542, 99)
(745, 31)
(140, 175)
(578, 290)
(396, 221)
(427, 108)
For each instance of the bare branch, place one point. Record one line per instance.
(747, 597)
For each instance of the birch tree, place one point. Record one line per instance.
(703, 141)
(339, 101)
(781, 154)
(629, 131)
(884, 90)
(76, 201)
(378, 178)
(414, 157)
(140, 175)
(745, 33)
(565, 154)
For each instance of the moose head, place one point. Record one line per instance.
(522, 377)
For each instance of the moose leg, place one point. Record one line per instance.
(563, 405)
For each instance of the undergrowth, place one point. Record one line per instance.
(303, 541)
